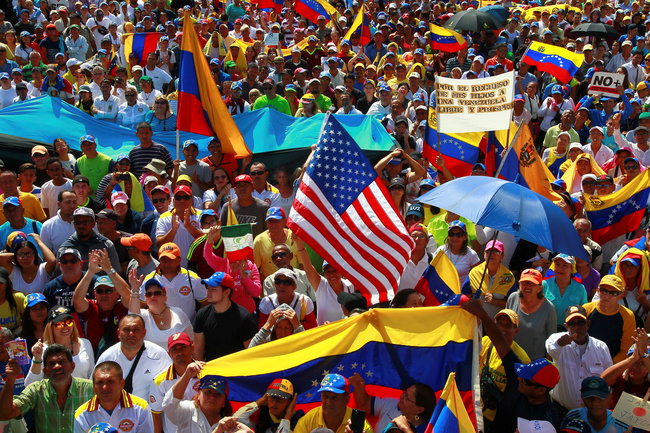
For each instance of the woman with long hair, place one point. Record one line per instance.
(11, 40)
(397, 190)
(407, 298)
(161, 117)
(67, 159)
(285, 187)
(12, 303)
(457, 248)
(128, 220)
(309, 106)
(215, 198)
(160, 319)
(34, 320)
(62, 329)
(279, 324)
(27, 271)
(25, 46)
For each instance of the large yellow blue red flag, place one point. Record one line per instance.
(439, 281)
(450, 415)
(523, 165)
(312, 9)
(390, 348)
(201, 109)
(559, 62)
(446, 40)
(360, 26)
(141, 44)
(618, 213)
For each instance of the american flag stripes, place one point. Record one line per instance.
(346, 215)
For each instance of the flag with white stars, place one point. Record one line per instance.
(344, 212)
(439, 281)
(619, 213)
(557, 61)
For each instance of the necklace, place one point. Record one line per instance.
(162, 322)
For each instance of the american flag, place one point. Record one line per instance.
(344, 212)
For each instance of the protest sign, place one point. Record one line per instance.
(633, 411)
(272, 40)
(605, 84)
(474, 105)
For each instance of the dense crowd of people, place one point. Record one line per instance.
(121, 303)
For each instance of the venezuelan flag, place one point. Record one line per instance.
(450, 415)
(390, 348)
(559, 62)
(201, 109)
(460, 151)
(523, 165)
(360, 26)
(618, 213)
(311, 9)
(439, 282)
(446, 40)
(276, 5)
(142, 44)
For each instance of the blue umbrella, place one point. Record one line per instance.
(509, 208)
(499, 12)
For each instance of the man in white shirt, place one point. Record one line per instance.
(58, 228)
(577, 355)
(106, 106)
(600, 152)
(96, 25)
(160, 78)
(151, 358)
(635, 72)
(132, 111)
(7, 91)
(640, 145)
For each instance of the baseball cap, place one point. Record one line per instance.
(557, 89)
(34, 299)
(605, 178)
(350, 301)
(160, 188)
(574, 311)
(510, 314)
(169, 250)
(594, 386)
(11, 201)
(140, 241)
(215, 383)
(188, 143)
(281, 388)
(643, 85)
(560, 183)
(494, 245)
(119, 197)
(396, 181)
(83, 139)
(178, 338)
(183, 189)
(84, 211)
(274, 213)
(567, 258)
(59, 314)
(243, 178)
(532, 275)
(416, 209)
(107, 214)
(104, 280)
(427, 182)
(39, 149)
(288, 273)
(612, 281)
(541, 371)
(207, 212)
(334, 383)
(520, 98)
(219, 279)
(457, 224)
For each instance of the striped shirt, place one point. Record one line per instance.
(453, 63)
(140, 157)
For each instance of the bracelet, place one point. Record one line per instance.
(111, 272)
(302, 250)
(37, 362)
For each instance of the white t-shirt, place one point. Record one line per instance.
(84, 363)
(270, 303)
(180, 323)
(329, 309)
(182, 291)
(36, 286)
(50, 194)
(385, 409)
(7, 97)
(158, 76)
(463, 263)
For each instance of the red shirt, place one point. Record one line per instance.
(228, 162)
(97, 320)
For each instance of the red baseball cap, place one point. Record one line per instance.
(178, 338)
(243, 178)
(183, 188)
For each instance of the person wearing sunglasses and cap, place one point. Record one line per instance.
(274, 411)
(596, 398)
(285, 281)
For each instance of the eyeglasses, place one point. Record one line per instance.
(160, 103)
(589, 182)
(223, 176)
(631, 167)
(69, 262)
(455, 234)
(609, 292)
(156, 294)
(63, 324)
(575, 323)
(182, 197)
(603, 185)
(83, 223)
(128, 95)
(103, 291)
(25, 255)
(406, 397)
(257, 173)
(283, 282)
(281, 255)
(158, 200)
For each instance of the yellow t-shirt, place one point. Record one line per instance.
(314, 419)
(33, 207)
(495, 368)
(262, 249)
(12, 318)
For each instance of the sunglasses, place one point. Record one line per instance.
(104, 291)
(63, 324)
(69, 262)
(160, 103)
(609, 292)
(130, 94)
(574, 323)
(281, 255)
(182, 197)
(257, 173)
(83, 223)
(589, 182)
(631, 167)
(455, 234)
(267, 87)
(25, 255)
(283, 282)
(158, 200)
(156, 293)
(223, 176)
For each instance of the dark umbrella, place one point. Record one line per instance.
(599, 30)
(499, 12)
(473, 21)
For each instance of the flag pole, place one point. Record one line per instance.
(178, 143)
(437, 126)
(503, 159)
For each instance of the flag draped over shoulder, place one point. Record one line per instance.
(460, 151)
(201, 109)
(390, 348)
(450, 415)
(311, 9)
(446, 40)
(344, 212)
(557, 61)
(439, 281)
(618, 213)
(523, 164)
(142, 44)
(360, 26)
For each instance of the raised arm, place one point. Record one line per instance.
(312, 274)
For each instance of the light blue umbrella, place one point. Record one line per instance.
(509, 208)
(499, 12)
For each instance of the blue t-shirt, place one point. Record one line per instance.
(575, 294)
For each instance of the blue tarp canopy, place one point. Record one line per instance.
(273, 137)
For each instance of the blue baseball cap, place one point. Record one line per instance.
(154, 282)
(590, 73)
(381, 15)
(629, 92)
(291, 87)
(122, 157)
(34, 299)
(428, 182)
(560, 183)
(541, 371)
(385, 88)
(335, 383)
(418, 51)
(207, 212)
(236, 86)
(88, 138)
(4, 75)
(325, 74)
(633, 261)
(219, 279)
(215, 62)
(104, 280)
(594, 386)
(13, 201)
(471, 52)
(557, 89)
(274, 213)
(345, 42)
(139, 26)
(14, 239)
(102, 427)
(457, 224)
(188, 143)
(215, 383)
